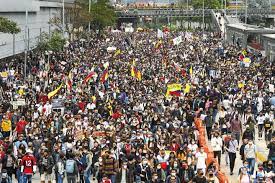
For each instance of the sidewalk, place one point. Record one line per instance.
(261, 156)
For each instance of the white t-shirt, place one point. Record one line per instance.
(216, 143)
(201, 157)
(260, 120)
(193, 148)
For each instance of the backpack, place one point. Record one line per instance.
(70, 166)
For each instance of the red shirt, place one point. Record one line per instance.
(106, 181)
(28, 161)
(175, 147)
(20, 126)
(82, 105)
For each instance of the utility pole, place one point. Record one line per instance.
(225, 6)
(63, 19)
(89, 13)
(236, 4)
(26, 53)
(246, 11)
(202, 17)
(13, 44)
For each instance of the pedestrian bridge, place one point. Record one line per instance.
(177, 12)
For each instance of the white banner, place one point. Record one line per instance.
(177, 40)
(160, 34)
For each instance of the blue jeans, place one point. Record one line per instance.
(113, 178)
(87, 175)
(59, 178)
(138, 179)
(27, 178)
(251, 165)
(19, 176)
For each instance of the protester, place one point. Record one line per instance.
(111, 110)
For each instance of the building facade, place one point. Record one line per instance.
(32, 16)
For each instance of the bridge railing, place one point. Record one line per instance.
(183, 12)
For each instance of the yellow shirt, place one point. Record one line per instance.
(6, 125)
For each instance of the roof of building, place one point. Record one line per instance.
(271, 36)
(251, 28)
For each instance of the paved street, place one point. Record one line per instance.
(263, 152)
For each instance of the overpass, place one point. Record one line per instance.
(176, 12)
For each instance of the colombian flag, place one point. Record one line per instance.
(158, 44)
(191, 70)
(69, 82)
(138, 75)
(88, 77)
(187, 88)
(53, 93)
(135, 73)
(118, 52)
(104, 76)
(173, 90)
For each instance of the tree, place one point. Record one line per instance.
(8, 26)
(54, 43)
(208, 4)
(76, 17)
(102, 14)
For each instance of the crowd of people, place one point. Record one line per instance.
(116, 121)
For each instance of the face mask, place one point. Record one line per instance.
(144, 162)
(175, 165)
(261, 168)
(173, 174)
(124, 166)
(158, 167)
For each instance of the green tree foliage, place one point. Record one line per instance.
(76, 17)
(8, 26)
(54, 43)
(208, 4)
(102, 15)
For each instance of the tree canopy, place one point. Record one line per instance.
(78, 16)
(8, 26)
(54, 43)
(102, 14)
(208, 4)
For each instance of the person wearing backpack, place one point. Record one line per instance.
(71, 169)
(88, 161)
(46, 166)
(8, 163)
(81, 164)
(60, 168)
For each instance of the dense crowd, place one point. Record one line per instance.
(100, 111)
